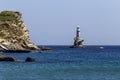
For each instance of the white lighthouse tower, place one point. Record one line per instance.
(78, 40)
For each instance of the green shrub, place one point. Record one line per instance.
(2, 35)
(7, 16)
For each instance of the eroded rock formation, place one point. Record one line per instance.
(14, 34)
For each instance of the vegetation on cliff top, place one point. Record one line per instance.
(6, 28)
(14, 34)
(7, 16)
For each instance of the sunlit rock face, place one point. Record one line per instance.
(14, 34)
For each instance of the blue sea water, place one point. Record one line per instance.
(64, 63)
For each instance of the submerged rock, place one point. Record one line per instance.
(29, 59)
(14, 35)
(11, 59)
(44, 48)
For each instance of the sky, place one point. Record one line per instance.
(54, 22)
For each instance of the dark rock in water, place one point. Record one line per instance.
(77, 46)
(16, 51)
(44, 48)
(8, 59)
(29, 59)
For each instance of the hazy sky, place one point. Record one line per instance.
(53, 22)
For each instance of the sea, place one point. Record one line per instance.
(64, 63)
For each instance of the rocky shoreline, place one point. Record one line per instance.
(14, 35)
(20, 51)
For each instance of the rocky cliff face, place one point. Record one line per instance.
(14, 34)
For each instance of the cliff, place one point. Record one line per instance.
(14, 34)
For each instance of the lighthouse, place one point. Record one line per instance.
(78, 40)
